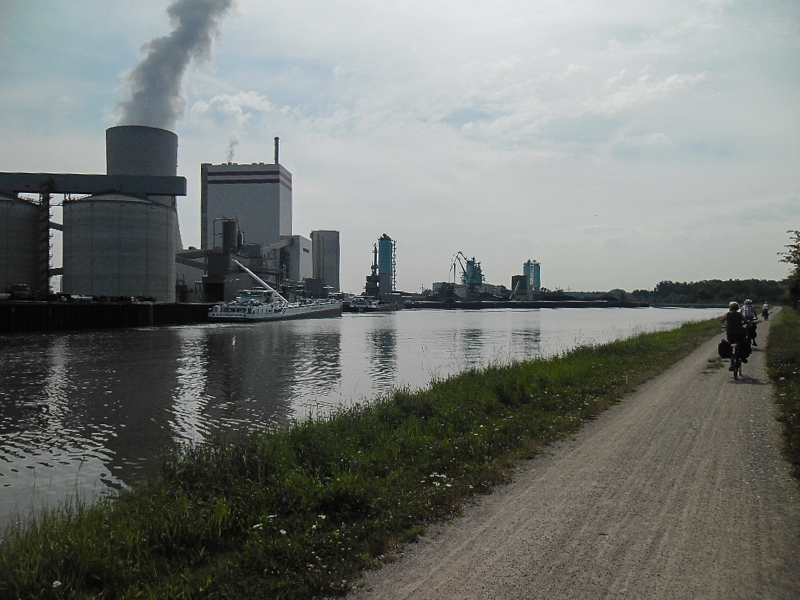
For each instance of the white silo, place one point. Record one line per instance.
(19, 233)
(116, 245)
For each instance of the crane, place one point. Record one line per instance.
(471, 273)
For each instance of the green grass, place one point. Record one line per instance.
(299, 512)
(783, 364)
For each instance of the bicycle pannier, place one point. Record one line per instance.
(745, 349)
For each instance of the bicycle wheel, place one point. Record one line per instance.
(737, 366)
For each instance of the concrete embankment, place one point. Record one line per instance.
(64, 316)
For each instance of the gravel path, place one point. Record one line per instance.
(678, 492)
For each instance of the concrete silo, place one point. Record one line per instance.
(19, 236)
(123, 245)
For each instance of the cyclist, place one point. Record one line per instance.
(734, 325)
(749, 311)
(750, 320)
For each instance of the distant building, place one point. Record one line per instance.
(299, 263)
(258, 196)
(326, 258)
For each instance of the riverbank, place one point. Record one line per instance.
(783, 362)
(297, 513)
(678, 492)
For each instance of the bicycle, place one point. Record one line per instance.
(736, 361)
(751, 329)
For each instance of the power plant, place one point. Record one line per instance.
(246, 213)
(121, 237)
(119, 240)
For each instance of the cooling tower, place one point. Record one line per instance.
(139, 150)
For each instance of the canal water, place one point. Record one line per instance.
(87, 412)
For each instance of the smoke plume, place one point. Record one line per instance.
(233, 142)
(156, 96)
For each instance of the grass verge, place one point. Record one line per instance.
(298, 512)
(783, 365)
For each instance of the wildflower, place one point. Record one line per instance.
(258, 526)
(283, 532)
(56, 583)
(321, 516)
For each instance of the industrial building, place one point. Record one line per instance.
(119, 244)
(527, 286)
(325, 256)
(119, 240)
(258, 195)
(382, 280)
(246, 210)
(121, 235)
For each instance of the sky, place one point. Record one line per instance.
(619, 143)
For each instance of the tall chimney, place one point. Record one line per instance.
(276, 150)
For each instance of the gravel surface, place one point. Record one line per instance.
(678, 492)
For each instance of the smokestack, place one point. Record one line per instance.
(277, 142)
(156, 96)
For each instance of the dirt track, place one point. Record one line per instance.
(679, 492)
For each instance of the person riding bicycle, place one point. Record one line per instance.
(734, 325)
(765, 311)
(750, 319)
(749, 311)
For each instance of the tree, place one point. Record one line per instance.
(792, 256)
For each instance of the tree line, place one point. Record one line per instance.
(712, 291)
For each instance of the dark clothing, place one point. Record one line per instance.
(734, 323)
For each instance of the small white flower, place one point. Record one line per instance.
(56, 583)
(258, 526)
(314, 526)
(321, 516)
(283, 532)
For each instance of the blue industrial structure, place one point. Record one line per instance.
(383, 277)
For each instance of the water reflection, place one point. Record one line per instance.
(191, 399)
(526, 344)
(90, 411)
(471, 339)
(382, 342)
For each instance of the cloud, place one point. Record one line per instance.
(236, 109)
(499, 129)
(643, 90)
